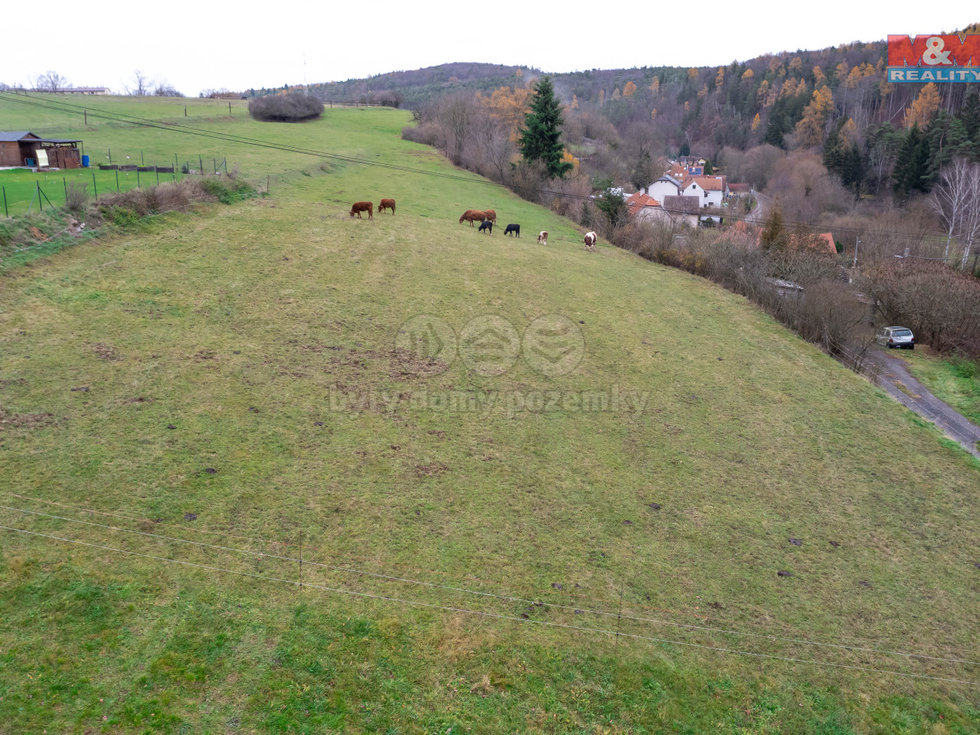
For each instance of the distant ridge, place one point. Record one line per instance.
(413, 88)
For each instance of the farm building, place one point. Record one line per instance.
(20, 148)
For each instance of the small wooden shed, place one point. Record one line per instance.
(20, 148)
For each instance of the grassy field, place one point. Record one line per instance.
(237, 495)
(955, 381)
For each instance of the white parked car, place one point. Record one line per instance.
(892, 337)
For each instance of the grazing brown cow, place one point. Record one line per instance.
(472, 215)
(386, 204)
(590, 238)
(543, 237)
(491, 215)
(359, 207)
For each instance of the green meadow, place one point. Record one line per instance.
(267, 468)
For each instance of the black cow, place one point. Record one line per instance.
(516, 229)
(486, 225)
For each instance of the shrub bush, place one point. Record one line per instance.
(290, 107)
(226, 189)
(938, 303)
(76, 197)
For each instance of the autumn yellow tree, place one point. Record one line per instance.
(756, 121)
(629, 90)
(507, 105)
(921, 111)
(810, 129)
(763, 95)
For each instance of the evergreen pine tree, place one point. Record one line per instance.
(774, 235)
(970, 114)
(912, 164)
(540, 138)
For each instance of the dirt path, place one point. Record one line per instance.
(894, 375)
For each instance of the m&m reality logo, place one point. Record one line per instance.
(938, 58)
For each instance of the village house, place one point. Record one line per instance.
(673, 210)
(710, 190)
(665, 186)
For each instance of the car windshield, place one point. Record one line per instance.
(903, 332)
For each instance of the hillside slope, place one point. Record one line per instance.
(198, 420)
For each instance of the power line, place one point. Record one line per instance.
(62, 106)
(227, 137)
(498, 616)
(507, 598)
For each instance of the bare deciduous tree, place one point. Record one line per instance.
(957, 202)
(51, 81)
(165, 90)
(141, 84)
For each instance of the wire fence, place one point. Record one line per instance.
(308, 568)
(23, 193)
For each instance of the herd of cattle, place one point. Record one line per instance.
(486, 217)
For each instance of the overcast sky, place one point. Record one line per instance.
(200, 45)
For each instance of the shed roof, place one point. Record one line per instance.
(11, 136)
(14, 135)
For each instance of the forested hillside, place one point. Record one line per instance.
(834, 102)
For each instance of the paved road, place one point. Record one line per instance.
(921, 401)
(758, 215)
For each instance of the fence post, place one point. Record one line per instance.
(40, 203)
(95, 187)
(214, 163)
(44, 196)
(158, 174)
(200, 164)
(5, 212)
(138, 185)
(117, 181)
(109, 154)
(64, 181)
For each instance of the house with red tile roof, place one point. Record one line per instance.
(635, 203)
(673, 210)
(711, 190)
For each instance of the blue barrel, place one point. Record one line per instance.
(85, 161)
